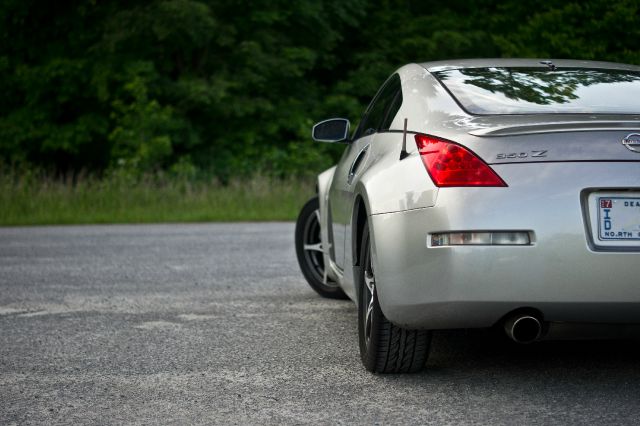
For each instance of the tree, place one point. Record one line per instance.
(232, 88)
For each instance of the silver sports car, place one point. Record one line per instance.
(476, 193)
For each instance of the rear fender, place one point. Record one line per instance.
(389, 185)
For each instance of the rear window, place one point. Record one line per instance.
(543, 91)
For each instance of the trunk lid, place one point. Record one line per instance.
(552, 138)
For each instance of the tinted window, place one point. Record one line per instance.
(538, 90)
(377, 116)
(393, 109)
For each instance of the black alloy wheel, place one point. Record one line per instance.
(310, 251)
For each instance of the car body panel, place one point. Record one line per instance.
(421, 286)
(323, 184)
(341, 193)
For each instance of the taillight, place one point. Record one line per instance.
(450, 164)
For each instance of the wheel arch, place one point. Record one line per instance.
(360, 214)
(359, 219)
(323, 183)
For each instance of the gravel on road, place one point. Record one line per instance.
(214, 324)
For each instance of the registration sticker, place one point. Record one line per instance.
(619, 218)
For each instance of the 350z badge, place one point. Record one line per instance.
(530, 154)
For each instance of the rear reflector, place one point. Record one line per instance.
(501, 238)
(450, 164)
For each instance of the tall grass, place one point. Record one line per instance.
(26, 199)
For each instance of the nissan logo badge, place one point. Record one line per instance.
(632, 142)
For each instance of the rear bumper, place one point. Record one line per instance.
(560, 273)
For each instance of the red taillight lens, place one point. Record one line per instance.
(450, 164)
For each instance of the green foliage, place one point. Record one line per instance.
(29, 198)
(144, 132)
(230, 88)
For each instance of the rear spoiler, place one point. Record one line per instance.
(567, 126)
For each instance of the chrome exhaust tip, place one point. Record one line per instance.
(523, 328)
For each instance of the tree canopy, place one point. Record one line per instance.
(231, 87)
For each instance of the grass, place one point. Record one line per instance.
(25, 200)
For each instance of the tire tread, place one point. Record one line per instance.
(401, 350)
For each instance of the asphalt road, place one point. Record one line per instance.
(213, 323)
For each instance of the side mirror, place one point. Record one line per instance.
(332, 130)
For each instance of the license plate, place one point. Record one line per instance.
(619, 218)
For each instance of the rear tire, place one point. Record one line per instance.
(309, 250)
(385, 347)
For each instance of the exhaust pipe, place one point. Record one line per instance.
(523, 328)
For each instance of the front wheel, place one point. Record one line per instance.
(385, 347)
(310, 251)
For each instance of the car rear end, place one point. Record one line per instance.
(538, 206)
